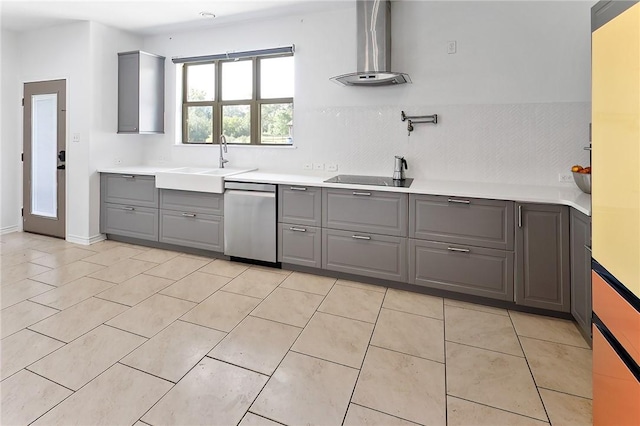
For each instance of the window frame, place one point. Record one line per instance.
(255, 102)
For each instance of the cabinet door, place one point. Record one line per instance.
(542, 257)
(195, 230)
(299, 245)
(132, 190)
(581, 270)
(130, 221)
(128, 92)
(299, 204)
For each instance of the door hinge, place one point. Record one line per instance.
(22, 101)
(22, 211)
(22, 157)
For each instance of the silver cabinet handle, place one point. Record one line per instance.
(128, 176)
(458, 250)
(519, 216)
(293, 228)
(360, 237)
(129, 209)
(297, 188)
(453, 200)
(587, 247)
(363, 194)
(189, 214)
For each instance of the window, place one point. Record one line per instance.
(248, 98)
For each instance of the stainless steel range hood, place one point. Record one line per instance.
(374, 47)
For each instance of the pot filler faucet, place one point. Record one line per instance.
(223, 139)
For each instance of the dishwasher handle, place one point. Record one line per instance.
(249, 186)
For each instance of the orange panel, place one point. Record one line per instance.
(616, 392)
(622, 320)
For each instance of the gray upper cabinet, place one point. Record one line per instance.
(460, 220)
(140, 93)
(301, 205)
(376, 212)
(581, 306)
(542, 257)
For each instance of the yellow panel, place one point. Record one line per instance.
(616, 147)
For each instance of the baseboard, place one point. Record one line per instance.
(9, 229)
(85, 241)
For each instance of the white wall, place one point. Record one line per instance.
(10, 166)
(513, 103)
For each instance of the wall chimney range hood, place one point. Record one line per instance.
(373, 48)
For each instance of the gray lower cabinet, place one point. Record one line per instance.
(300, 245)
(129, 221)
(195, 230)
(581, 307)
(301, 205)
(372, 255)
(129, 189)
(196, 202)
(542, 257)
(465, 269)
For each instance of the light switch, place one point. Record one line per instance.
(76, 138)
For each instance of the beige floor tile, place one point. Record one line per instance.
(251, 419)
(466, 413)
(198, 257)
(222, 310)
(98, 404)
(196, 287)
(23, 348)
(363, 416)
(20, 272)
(78, 319)
(85, 358)
(156, 255)
(67, 273)
(274, 270)
(481, 329)
(547, 328)
(123, 270)
(492, 378)
(63, 257)
(22, 315)
(559, 367)
(21, 256)
(309, 283)
(337, 339)
(476, 307)
(256, 344)
(114, 255)
(177, 268)
(103, 245)
(198, 399)
(288, 306)
(73, 293)
(224, 268)
(254, 283)
(402, 385)
(413, 303)
(566, 409)
(26, 396)
(151, 316)
(306, 390)
(410, 334)
(22, 290)
(352, 302)
(171, 353)
(363, 286)
(136, 289)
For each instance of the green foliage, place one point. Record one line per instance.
(276, 122)
(199, 119)
(236, 123)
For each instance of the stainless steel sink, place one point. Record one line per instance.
(196, 178)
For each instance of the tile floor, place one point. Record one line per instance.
(116, 334)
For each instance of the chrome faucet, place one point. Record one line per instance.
(223, 139)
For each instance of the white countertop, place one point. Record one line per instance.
(568, 195)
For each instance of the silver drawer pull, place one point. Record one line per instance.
(363, 194)
(189, 214)
(453, 200)
(360, 237)
(297, 188)
(293, 228)
(129, 209)
(458, 250)
(128, 176)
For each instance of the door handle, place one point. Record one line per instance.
(61, 167)
(62, 155)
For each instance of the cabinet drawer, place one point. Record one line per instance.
(470, 270)
(378, 256)
(299, 245)
(188, 229)
(299, 204)
(191, 201)
(374, 212)
(130, 221)
(127, 189)
(460, 220)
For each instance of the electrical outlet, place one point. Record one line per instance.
(332, 167)
(318, 166)
(76, 138)
(451, 47)
(565, 177)
(307, 166)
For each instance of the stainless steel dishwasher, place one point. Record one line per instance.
(250, 221)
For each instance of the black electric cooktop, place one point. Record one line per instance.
(370, 180)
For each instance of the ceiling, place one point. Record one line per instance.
(148, 17)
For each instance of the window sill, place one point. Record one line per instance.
(217, 146)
